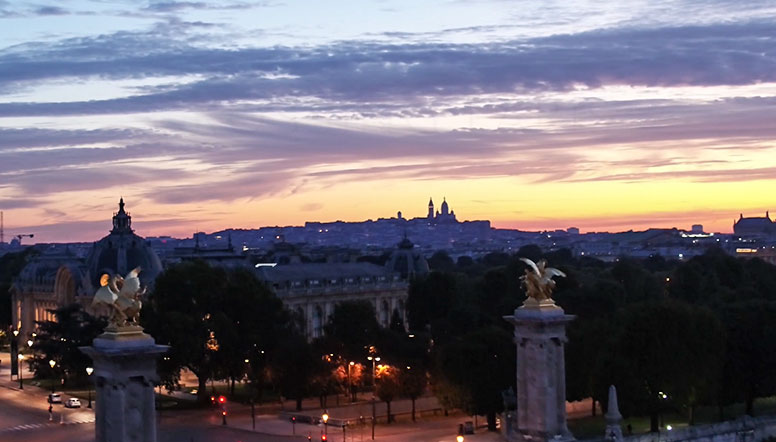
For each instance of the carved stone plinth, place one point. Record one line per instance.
(124, 375)
(540, 335)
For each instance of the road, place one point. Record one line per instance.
(24, 417)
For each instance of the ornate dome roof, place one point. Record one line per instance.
(406, 261)
(121, 251)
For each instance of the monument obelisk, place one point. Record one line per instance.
(540, 335)
(124, 366)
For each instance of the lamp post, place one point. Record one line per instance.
(52, 364)
(21, 358)
(374, 386)
(350, 381)
(89, 371)
(325, 418)
(14, 353)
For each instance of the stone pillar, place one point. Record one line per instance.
(124, 374)
(613, 417)
(540, 335)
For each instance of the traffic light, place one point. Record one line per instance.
(323, 438)
(309, 438)
(213, 400)
(221, 400)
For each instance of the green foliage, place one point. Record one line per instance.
(751, 352)
(295, 367)
(644, 325)
(10, 266)
(661, 347)
(59, 341)
(471, 372)
(354, 327)
(431, 298)
(213, 319)
(441, 262)
(637, 282)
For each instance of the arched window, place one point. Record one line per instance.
(302, 319)
(317, 322)
(385, 314)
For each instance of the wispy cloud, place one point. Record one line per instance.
(214, 121)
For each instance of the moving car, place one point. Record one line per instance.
(73, 403)
(54, 398)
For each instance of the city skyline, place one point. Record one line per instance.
(535, 116)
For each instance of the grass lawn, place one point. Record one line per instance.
(593, 427)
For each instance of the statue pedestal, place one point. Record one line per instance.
(540, 334)
(124, 374)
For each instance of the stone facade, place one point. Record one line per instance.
(540, 336)
(125, 375)
(312, 290)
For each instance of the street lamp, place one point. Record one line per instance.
(89, 371)
(14, 352)
(374, 405)
(325, 418)
(373, 359)
(459, 438)
(29, 343)
(52, 364)
(21, 358)
(350, 381)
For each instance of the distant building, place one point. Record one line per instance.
(311, 290)
(57, 277)
(406, 261)
(754, 225)
(444, 215)
(214, 256)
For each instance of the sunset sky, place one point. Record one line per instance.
(534, 114)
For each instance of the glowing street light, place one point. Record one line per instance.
(53, 364)
(29, 343)
(89, 371)
(374, 404)
(325, 418)
(459, 438)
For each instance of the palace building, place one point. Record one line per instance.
(57, 278)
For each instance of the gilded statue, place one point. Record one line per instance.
(122, 297)
(538, 281)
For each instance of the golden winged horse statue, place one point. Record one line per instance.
(122, 298)
(538, 279)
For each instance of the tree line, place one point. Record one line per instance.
(671, 335)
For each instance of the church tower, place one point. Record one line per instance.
(430, 208)
(445, 207)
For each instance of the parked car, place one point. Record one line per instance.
(54, 398)
(73, 403)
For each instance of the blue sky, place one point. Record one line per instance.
(534, 114)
